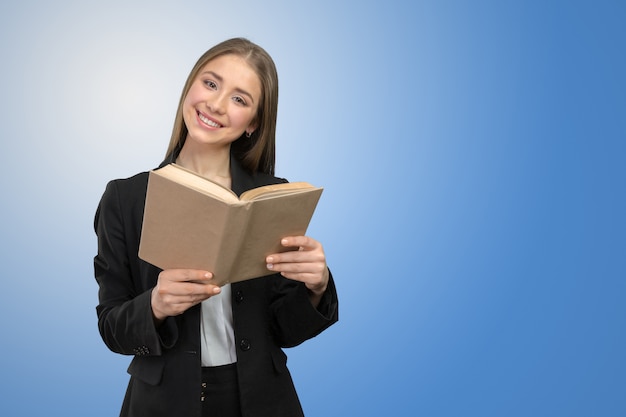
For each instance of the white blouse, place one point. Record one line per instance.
(216, 330)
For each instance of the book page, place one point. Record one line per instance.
(196, 182)
(275, 190)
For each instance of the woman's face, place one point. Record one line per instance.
(222, 102)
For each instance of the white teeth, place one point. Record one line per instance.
(207, 121)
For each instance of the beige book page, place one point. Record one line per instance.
(275, 190)
(196, 182)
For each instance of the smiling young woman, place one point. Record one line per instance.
(199, 349)
(220, 106)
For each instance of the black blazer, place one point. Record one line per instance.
(269, 313)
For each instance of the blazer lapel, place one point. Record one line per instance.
(241, 180)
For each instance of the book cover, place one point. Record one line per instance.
(192, 222)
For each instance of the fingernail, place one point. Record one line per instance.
(270, 266)
(284, 241)
(270, 259)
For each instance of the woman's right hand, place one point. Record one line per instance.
(179, 289)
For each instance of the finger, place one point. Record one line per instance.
(302, 256)
(314, 268)
(300, 276)
(186, 275)
(184, 301)
(196, 276)
(186, 288)
(301, 272)
(196, 298)
(314, 282)
(304, 242)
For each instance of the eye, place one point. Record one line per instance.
(210, 84)
(239, 100)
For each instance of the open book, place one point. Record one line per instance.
(192, 222)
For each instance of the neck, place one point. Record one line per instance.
(210, 163)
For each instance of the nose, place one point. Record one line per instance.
(216, 103)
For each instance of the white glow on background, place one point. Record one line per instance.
(486, 279)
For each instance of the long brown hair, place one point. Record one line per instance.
(257, 152)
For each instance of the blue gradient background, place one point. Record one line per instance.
(485, 275)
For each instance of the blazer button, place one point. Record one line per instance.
(244, 345)
(239, 296)
(141, 350)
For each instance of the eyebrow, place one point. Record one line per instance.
(220, 79)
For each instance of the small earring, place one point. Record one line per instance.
(248, 134)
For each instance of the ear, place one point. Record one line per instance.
(251, 128)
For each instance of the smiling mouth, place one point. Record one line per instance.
(207, 121)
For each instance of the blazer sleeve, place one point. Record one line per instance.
(295, 320)
(124, 311)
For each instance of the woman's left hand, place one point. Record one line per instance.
(307, 264)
